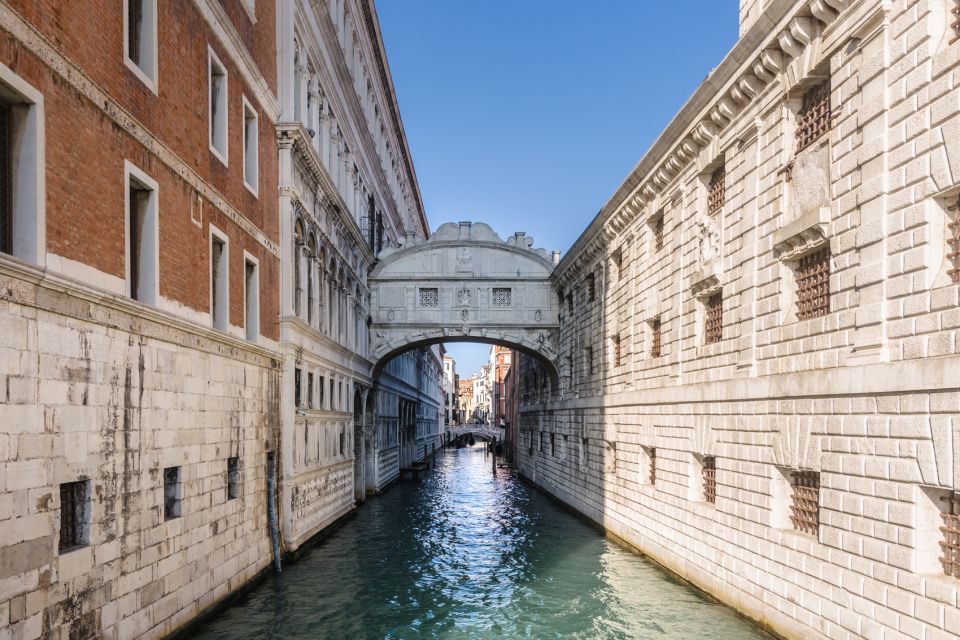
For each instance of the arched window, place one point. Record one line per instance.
(311, 266)
(297, 275)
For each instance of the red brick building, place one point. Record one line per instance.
(139, 267)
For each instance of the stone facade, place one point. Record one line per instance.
(138, 365)
(347, 194)
(758, 343)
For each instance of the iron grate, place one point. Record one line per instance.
(717, 195)
(714, 319)
(658, 233)
(813, 285)
(954, 241)
(73, 499)
(955, 23)
(653, 465)
(815, 117)
(656, 338)
(950, 544)
(617, 353)
(805, 499)
(710, 479)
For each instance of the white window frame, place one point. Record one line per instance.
(214, 59)
(150, 276)
(222, 237)
(251, 326)
(248, 158)
(250, 6)
(148, 76)
(28, 182)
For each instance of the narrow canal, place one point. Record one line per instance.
(466, 555)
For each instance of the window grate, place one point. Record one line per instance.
(658, 233)
(653, 465)
(591, 288)
(954, 240)
(717, 195)
(805, 498)
(429, 297)
(6, 166)
(815, 116)
(955, 25)
(171, 493)
(73, 507)
(656, 338)
(502, 297)
(950, 544)
(714, 321)
(813, 285)
(710, 479)
(233, 478)
(617, 352)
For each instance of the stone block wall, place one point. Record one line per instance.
(95, 390)
(863, 395)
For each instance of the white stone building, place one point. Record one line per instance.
(759, 336)
(347, 190)
(450, 378)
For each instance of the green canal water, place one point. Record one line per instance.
(463, 554)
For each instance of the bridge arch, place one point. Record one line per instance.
(465, 284)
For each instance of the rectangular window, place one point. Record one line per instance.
(343, 440)
(656, 226)
(617, 355)
(297, 393)
(218, 280)
(953, 255)
(716, 191)
(233, 478)
(321, 389)
(310, 390)
(813, 285)
(652, 456)
(805, 501)
(713, 319)
(570, 304)
(251, 148)
(656, 339)
(251, 288)
(22, 208)
(710, 479)
(950, 531)
(74, 515)
(218, 106)
(955, 21)
(140, 46)
(591, 288)
(332, 396)
(172, 493)
(142, 236)
(618, 262)
(814, 118)
(501, 296)
(429, 297)
(589, 355)
(553, 444)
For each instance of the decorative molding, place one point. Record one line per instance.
(803, 236)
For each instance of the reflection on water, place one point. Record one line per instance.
(467, 555)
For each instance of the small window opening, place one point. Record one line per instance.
(251, 158)
(141, 43)
(710, 479)
(142, 240)
(310, 390)
(813, 285)
(805, 501)
(233, 478)
(218, 282)
(714, 319)
(172, 493)
(251, 279)
(218, 107)
(297, 393)
(74, 515)
(656, 339)
(716, 191)
(815, 118)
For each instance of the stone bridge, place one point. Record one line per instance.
(465, 284)
(478, 430)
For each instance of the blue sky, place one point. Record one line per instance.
(527, 114)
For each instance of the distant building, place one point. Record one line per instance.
(450, 391)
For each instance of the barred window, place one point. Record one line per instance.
(570, 303)
(172, 493)
(589, 358)
(233, 478)
(553, 444)
(714, 319)
(717, 191)
(656, 339)
(591, 288)
(429, 297)
(954, 241)
(658, 233)
(955, 22)
(815, 116)
(950, 544)
(652, 452)
(618, 261)
(74, 515)
(297, 392)
(616, 350)
(6, 153)
(805, 501)
(501, 297)
(710, 479)
(813, 285)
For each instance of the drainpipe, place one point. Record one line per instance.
(272, 508)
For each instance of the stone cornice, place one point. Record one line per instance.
(780, 35)
(803, 236)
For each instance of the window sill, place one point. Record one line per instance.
(142, 75)
(251, 189)
(219, 156)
